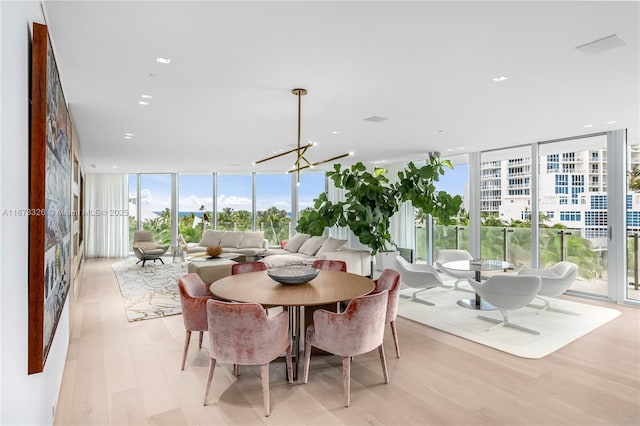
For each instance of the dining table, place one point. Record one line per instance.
(326, 288)
(477, 266)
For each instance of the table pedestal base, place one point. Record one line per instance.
(472, 304)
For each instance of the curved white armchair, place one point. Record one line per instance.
(507, 293)
(420, 276)
(555, 281)
(450, 255)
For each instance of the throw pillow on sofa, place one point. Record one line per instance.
(331, 245)
(231, 239)
(296, 242)
(252, 239)
(312, 245)
(211, 238)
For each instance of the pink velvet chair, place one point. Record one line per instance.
(391, 280)
(358, 330)
(241, 268)
(330, 265)
(242, 334)
(194, 294)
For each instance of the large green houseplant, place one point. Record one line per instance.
(371, 199)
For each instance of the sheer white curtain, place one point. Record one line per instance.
(106, 215)
(335, 195)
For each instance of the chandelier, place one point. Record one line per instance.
(301, 162)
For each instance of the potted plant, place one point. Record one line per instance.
(371, 200)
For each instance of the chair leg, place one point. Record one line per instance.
(160, 259)
(264, 374)
(187, 338)
(289, 363)
(200, 340)
(415, 299)
(547, 307)
(212, 367)
(307, 360)
(394, 331)
(506, 323)
(383, 361)
(346, 379)
(236, 369)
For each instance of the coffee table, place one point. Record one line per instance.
(212, 269)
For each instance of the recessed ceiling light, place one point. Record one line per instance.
(114, 167)
(612, 122)
(146, 96)
(499, 79)
(336, 132)
(128, 135)
(121, 154)
(588, 125)
(449, 149)
(162, 60)
(143, 102)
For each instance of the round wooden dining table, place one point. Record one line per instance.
(326, 288)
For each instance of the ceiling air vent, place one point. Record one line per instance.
(375, 119)
(601, 45)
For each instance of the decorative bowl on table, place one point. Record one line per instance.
(214, 251)
(295, 274)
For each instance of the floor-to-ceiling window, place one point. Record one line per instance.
(633, 222)
(311, 185)
(505, 205)
(573, 205)
(234, 203)
(456, 235)
(273, 205)
(195, 205)
(155, 205)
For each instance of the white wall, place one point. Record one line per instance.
(24, 399)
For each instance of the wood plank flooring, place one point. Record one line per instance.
(121, 373)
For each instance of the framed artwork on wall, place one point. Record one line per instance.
(49, 200)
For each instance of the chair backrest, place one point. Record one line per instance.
(566, 270)
(390, 280)
(450, 255)
(194, 294)
(330, 265)
(508, 291)
(242, 268)
(241, 333)
(357, 330)
(143, 236)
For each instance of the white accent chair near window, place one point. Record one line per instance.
(507, 293)
(422, 277)
(450, 255)
(555, 281)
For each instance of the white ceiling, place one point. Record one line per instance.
(225, 99)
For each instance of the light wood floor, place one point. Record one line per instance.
(123, 373)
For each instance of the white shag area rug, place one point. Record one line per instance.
(556, 329)
(150, 291)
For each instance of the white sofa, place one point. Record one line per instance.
(251, 244)
(302, 248)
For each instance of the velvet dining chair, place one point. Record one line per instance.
(357, 330)
(243, 334)
(194, 294)
(391, 280)
(244, 267)
(330, 265)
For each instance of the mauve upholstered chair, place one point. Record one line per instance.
(391, 280)
(357, 330)
(194, 294)
(329, 265)
(243, 334)
(242, 268)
